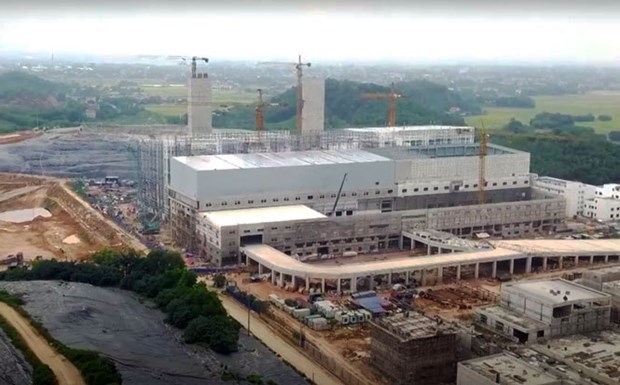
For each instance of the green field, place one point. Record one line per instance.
(221, 99)
(597, 103)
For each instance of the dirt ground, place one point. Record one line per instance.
(65, 372)
(74, 230)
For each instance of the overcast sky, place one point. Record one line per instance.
(412, 31)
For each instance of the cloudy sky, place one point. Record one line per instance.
(412, 31)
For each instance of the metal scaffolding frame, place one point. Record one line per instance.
(153, 154)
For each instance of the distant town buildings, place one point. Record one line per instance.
(575, 193)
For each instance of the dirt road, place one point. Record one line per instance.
(278, 345)
(65, 372)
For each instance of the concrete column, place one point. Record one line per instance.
(323, 285)
(273, 277)
(477, 270)
(458, 271)
(423, 275)
(560, 262)
(453, 251)
(592, 260)
(439, 250)
(406, 278)
(494, 270)
(512, 266)
(528, 265)
(606, 258)
(544, 263)
(353, 284)
(260, 268)
(281, 280)
(412, 243)
(338, 286)
(390, 278)
(440, 274)
(307, 284)
(401, 242)
(428, 249)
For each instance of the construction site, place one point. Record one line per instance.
(375, 247)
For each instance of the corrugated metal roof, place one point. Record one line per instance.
(261, 215)
(279, 159)
(382, 130)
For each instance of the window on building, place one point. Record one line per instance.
(390, 191)
(343, 195)
(237, 202)
(365, 193)
(377, 192)
(263, 201)
(416, 189)
(285, 199)
(425, 188)
(514, 182)
(404, 190)
(310, 197)
(466, 186)
(297, 198)
(224, 203)
(494, 184)
(321, 196)
(250, 202)
(208, 205)
(435, 188)
(504, 183)
(274, 228)
(446, 187)
(275, 199)
(353, 194)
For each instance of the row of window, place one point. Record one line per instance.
(365, 193)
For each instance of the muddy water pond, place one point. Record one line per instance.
(24, 215)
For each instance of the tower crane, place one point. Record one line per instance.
(391, 97)
(482, 153)
(300, 98)
(260, 111)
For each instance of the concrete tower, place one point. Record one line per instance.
(199, 117)
(313, 112)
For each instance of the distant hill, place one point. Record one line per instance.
(423, 102)
(22, 89)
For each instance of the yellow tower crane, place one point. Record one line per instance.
(259, 108)
(391, 97)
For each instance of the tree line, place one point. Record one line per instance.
(160, 276)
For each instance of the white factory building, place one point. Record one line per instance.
(531, 310)
(352, 200)
(575, 193)
(605, 205)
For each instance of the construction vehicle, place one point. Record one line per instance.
(391, 97)
(300, 99)
(150, 225)
(338, 196)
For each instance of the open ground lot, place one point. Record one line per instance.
(596, 103)
(13, 367)
(58, 236)
(145, 349)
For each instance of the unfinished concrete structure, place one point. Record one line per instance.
(313, 111)
(199, 98)
(387, 192)
(502, 369)
(547, 309)
(413, 349)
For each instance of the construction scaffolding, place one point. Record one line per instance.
(153, 154)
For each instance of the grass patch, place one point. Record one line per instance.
(95, 370)
(41, 373)
(597, 103)
(167, 109)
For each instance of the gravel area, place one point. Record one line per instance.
(146, 350)
(14, 370)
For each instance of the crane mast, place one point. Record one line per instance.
(260, 112)
(392, 98)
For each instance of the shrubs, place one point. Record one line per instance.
(95, 370)
(41, 373)
(161, 275)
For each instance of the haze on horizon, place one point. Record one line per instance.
(413, 31)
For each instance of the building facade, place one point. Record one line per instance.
(575, 193)
(413, 350)
(385, 191)
(531, 310)
(605, 205)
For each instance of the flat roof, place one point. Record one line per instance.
(261, 215)
(596, 352)
(440, 151)
(278, 159)
(565, 247)
(390, 130)
(511, 370)
(412, 327)
(542, 290)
